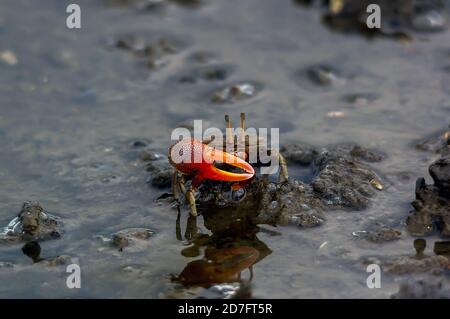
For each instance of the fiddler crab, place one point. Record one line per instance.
(212, 157)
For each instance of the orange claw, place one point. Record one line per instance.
(192, 157)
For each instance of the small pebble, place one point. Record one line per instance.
(324, 75)
(8, 57)
(431, 20)
(336, 114)
(234, 92)
(147, 156)
(376, 184)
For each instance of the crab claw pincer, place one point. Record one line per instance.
(192, 157)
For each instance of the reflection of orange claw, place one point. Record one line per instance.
(219, 266)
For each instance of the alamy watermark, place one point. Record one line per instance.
(374, 18)
(73, 20)
(74, 279)
(374, 279)
(256, 146)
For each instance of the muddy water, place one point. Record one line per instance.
(73, 103)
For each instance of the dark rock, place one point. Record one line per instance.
(161, 178)
(120, 240)
(138, 233)
(399, 18)
(210, 73)
(124, 237)
(360, 98)
(383, 235)
(436, 143)
(442, 247)
(154, 53)
(432, 204)
(32, 224)
(290, 203)
(235, 92)
(419, 245)
(407, 265)
(422, 289)
(151, 167)
(130, 42)
(32, 249)
(148, 156)
(202, 57)
(324, 75)
(440, 172)
(61, 260)
(301, 154)
(308, 220)
(215, 74)
(134, 239)
(138, 143)
(339, 182)
(304, 154)
(366, 155)
(160, 170)
(342, 182)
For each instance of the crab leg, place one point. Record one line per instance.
(191, 200)
(284, 176)
(191, 227)
(181, 185)
(176, 187)
(241, 143)
(178, 226)
(188, 193)
(229, 132)
(242, 137)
